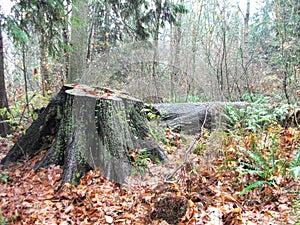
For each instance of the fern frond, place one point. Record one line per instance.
(257, 158)
(295, 165)
(296, 160)
(295, 172)
(252, 186)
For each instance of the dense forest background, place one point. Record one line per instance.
(172, 51)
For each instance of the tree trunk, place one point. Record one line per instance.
(44, 64)
(175, 58)
(4, 125)
(85, 128)
(79, 39)
(189, 118)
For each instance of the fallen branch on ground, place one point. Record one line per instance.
(191, 147)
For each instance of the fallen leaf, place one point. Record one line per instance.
(109, 219)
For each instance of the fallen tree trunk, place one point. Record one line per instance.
(84, 128)
(191, 117)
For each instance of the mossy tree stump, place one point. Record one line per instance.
(84, 128)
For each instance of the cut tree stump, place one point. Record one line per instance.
(84, 128)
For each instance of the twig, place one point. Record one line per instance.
(188, 151)
(22, 150)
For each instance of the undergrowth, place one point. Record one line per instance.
(267, 153)
(21, 113)
(3, 220)
(259, 113)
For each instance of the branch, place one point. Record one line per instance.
(188, 151)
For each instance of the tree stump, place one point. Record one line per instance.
(84, 128)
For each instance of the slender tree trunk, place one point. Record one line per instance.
(92, 30)
(4, 125)
(176, 56)
(246, 24)
(79, 38)
(195, 35)
(155, 55)
(44, 65)
(24, 69)
(245, 54)
(66, 52)
(139, 32)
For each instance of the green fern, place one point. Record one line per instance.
(295, 165)
(266, 166)
(258, 165)
(253, 185)
(255, 170)
(257, 158)
(258, 115)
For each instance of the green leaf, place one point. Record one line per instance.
(253, 185)
(296, 160)
(257, 157)
(295, 171)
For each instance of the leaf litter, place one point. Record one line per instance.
(205, 191)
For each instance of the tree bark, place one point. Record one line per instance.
(84, 128)
(191, 117)
(79, 40)
(4, 125)
(44, 64)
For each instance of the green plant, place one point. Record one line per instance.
(266, 162)
(287, 114)
(296, 208)
(4, 176)
(250, 118)
(154, 129)
(258, 114)
(150, 113)
(76, 180)
(140, 161)
(142, 158)
(254, 185)
(199, 149)
(255, 98)
(5, 113)
(258, 164)
(253, 116)
(3, 220)
(294, 165)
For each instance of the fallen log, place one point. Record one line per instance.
(189, 117)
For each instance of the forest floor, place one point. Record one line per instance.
(205, 191)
